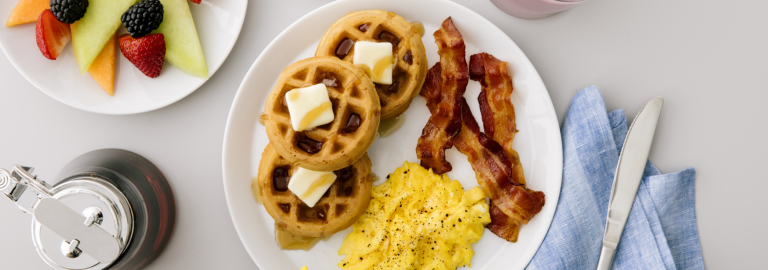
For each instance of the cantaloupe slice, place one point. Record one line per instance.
(27, 11)
(93, 31)
(182, 45)
(103, 68)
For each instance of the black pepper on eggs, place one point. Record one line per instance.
(68, 11)
(143, 17)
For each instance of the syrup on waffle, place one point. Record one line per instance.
(334, 145)
(410, 68)
(340, 207)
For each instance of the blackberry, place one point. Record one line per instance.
(143, 17)
(68, 11)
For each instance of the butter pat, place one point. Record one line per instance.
(309, 107)
(376, 59)
(310, 185)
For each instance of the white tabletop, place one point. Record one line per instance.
(707, 58)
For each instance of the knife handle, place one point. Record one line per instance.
(606, 258)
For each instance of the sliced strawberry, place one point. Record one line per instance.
(146, 53)
(51, 34)
(195, 1)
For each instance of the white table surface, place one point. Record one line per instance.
(707, 58)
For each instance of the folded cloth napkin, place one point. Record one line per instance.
(661, 229)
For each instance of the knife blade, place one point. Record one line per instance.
(629, 173)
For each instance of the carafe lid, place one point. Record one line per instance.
(85, 222)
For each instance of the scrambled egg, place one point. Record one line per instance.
(417, 220)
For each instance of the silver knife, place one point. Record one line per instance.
(629, 172)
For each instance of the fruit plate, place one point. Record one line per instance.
(218, 25)
(538, 143)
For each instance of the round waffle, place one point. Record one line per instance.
(334, 145)
(410, 68)
(339, 208)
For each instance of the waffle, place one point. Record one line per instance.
(407, 78)
(335, 145)
(338, 209)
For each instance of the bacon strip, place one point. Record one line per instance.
(496, 107)
(516, 204)
(445, 122)
(486, 156)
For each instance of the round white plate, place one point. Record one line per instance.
(538, 142)
(218, 25)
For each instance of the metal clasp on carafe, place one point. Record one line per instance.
(23, 188)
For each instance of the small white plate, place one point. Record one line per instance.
(218, 25)
(538, 142)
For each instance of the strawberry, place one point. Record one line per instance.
(146, 53)
(195, 1)
(51, 35)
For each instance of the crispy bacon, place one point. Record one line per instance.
(497, 166)
(445, 122)
(493, 172)
(502, 225)
(496, 107)
(432, 89)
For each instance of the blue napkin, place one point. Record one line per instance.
(661, 230)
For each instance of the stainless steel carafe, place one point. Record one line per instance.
(107, 209)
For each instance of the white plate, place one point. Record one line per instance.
(218, 25)
(538, 142)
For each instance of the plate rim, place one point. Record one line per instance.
(550, 111)
(27, 76)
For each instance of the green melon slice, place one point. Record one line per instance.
(93, 31)
(182, 46)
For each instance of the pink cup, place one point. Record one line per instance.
(534, 9)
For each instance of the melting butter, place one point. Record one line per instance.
(313, 114)
(380, 66)
(323, 180)
(309, 107)
(376, 59)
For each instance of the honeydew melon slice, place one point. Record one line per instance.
(182, 45)
(93, 31)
